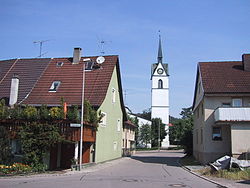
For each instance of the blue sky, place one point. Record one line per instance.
(192, 31)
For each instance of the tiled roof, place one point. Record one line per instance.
(28, 70)
(130, 124)
(224, 77)
(70, 76)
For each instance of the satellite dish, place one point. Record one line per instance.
(100, 60)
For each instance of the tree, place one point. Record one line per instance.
(145, 134)
(5, 154)
(36, 140)
(156, 123)
(181, 131)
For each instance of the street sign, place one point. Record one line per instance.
(75, 125)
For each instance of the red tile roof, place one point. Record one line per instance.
(70, 75)
(28, 70)
(224, 77)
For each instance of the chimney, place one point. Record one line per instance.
(246, 62)
(77, 55)
(14, 90)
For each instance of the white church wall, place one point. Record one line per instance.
(160, 98)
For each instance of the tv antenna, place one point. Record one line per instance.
(101, 45)
(40, 42)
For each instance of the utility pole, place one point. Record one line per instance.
(159, 136)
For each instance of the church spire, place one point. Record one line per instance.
(159, 50)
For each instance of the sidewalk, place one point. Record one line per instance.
(219, 181)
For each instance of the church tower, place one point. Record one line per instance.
(160, 93)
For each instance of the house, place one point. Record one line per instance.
(128, 138)
(46, 80)
(221, 109)
(141, 122)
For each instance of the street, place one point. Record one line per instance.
(143, 170)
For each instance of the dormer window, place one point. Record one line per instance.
(59, 64)
(89, 66)
(54, 86)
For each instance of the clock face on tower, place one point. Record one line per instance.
(160, 71)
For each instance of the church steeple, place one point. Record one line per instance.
(159, 51)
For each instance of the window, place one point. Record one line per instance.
(226, 104)
(118, 125)
(89, 66)
(216, 133)
(201, 136)
(160, 84)
(103, 121)
(16, 148)
(113, 95)
(59, 64)
(115, 146)
(237, 102)
(54, 86)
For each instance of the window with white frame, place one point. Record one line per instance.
(216, 133)
(103, 120)
(237, 102)
(118, 125)
(115, 146)
(113, 95)
(54, 86)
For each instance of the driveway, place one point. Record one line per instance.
(144, 170)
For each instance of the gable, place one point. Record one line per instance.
(156, 66)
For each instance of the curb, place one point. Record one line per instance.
(200, 176)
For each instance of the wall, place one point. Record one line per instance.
(108, 138)
(240, 138)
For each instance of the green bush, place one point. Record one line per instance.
(30, 113)
(56, 113)
(5, 154)
(4, 113)
(73, 114)
(44, 112)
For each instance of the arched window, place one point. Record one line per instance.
(160, 84)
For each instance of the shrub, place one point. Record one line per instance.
(44, 112)
(30, 113)
(56, 113)
(4, 113)
(16, 168)
(73, 114)
(5, 154)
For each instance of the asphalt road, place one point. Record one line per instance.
(144, 170)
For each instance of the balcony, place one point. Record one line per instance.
(225, 114)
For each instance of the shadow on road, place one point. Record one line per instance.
(170, 161)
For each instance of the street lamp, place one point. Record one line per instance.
(82, 112)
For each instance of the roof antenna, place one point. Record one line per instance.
(101, 45)
(41, 45)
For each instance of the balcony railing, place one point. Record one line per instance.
(224, 114)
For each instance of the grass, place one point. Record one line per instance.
(232, 174)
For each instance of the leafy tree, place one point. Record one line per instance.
(36, 140)
(5, 154)
(181, 131)
(156, 123)
(56, 113)
(145, 134)
(146, 114)
(3, 110)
